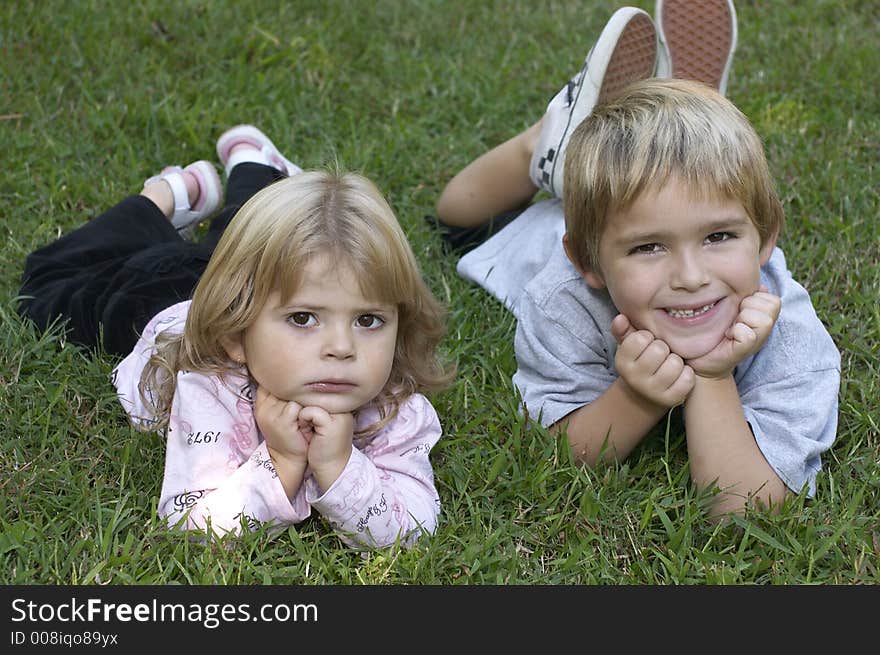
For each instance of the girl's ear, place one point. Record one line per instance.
(590, 276)
(233, 344)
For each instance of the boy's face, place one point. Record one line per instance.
(679, 267)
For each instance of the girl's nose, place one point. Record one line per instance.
(338, 343)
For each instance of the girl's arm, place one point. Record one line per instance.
(218, 470)
(386, 492)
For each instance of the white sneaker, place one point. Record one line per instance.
(697, 40)
(626, 51)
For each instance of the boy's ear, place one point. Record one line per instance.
(233, 344)
(590, 276)
(767, 249)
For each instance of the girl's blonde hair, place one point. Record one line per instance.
(655, 129)
(265, 248)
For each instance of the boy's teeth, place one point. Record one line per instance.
(689, 313)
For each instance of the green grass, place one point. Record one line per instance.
(97, 96)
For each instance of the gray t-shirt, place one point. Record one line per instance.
(565, 349)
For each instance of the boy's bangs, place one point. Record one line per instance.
(709, 161)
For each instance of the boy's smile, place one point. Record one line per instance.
(679, 266)
(327, 346)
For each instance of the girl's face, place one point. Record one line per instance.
(327, 346)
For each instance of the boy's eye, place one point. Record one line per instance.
(718, 237)
(302, 319)
(646, 248)
(369, 321)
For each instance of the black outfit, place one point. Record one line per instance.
(461, 240)
(108, 278)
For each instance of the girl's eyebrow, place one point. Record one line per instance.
(310, 307)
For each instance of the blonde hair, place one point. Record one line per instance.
(266, 247)
(655, 129)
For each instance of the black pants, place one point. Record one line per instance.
(108, 278)
(461, 240)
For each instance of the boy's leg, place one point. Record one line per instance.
(625, 52)
(697, 40)
(496, 182)
(507, 177)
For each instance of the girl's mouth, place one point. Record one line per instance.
(331, 386)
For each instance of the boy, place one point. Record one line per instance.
(663, 286)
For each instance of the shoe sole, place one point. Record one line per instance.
(700, 38)
(632, 58)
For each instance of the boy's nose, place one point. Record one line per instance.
(690, 272)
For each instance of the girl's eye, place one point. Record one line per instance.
(369, 321)
(718, 237)
(302, 319)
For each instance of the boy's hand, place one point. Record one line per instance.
(278, 420)
(330, 442)
(749, 332)
(648, 367)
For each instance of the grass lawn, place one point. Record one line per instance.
(96, 96)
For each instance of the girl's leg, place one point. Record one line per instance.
(117, 271)
(245, 180)
(66, 279)
(251, 162)
(495, 183)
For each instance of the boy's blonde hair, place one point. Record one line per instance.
(655, 129)
(266, 247)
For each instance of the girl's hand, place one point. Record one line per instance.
(749, 332)
(279, 421)
(648, 367)
(330, 438)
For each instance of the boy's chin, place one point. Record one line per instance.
(693, 348)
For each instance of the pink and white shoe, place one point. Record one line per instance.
(185, 218)
(262, 150)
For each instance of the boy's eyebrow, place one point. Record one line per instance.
(714, 225)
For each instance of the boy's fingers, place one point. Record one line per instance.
(766, 302)
(756, 319)
(621, 328)
(635, 344)
(743, 335)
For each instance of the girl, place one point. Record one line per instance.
(293, 379)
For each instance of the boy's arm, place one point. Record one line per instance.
(610, 426)
(721, 447)
(652, 380)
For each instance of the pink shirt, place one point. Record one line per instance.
(217, 467)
